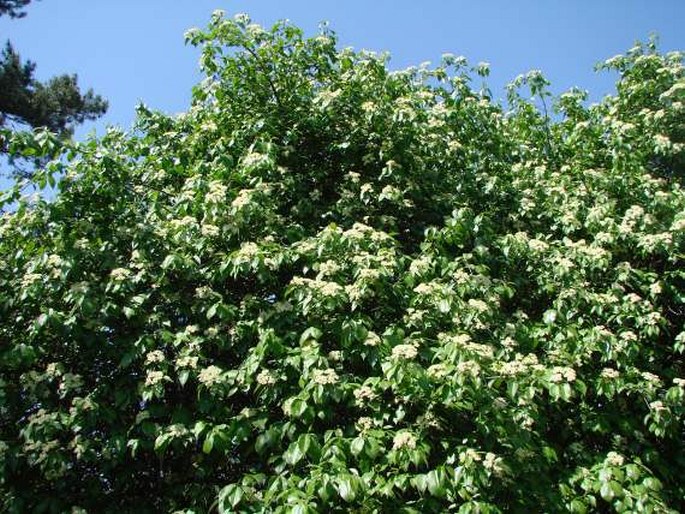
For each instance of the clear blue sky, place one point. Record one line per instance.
(132, 50)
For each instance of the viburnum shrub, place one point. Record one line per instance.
(333, 287)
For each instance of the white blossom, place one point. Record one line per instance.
(404, 351)
(216, 193)
(120, 274)
(154, 356)
(210, 376)
(372, 339)
(657, 406)
(153, 378)
(404, 440)
(187, 362)
(561, 374)
(364, 423)
(609, 373)
(614, 459)
(325, 376)
(265, 378)
(210, 230)
(242, 200)
(364, 393)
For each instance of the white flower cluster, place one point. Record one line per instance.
(210, 376)
(520, 365)
(209, 230)
(335, 355)
(326, 96)
(29, 279)
(609, 373)
(404, 351)
(678, 224)
(120, 274)
(471, 368)
(364, 423)
(421, 265)
(492, 462)
(469, 455)
(561, 374)
(536, 245)
(217, 192)
(325, 376)
(187, 361)
(266, 378)
(429, 288)
(404, 440)
(153, 378)
(154, 356)
(242, 200)
(372, 339)
(614, 459)
(390, 193)
(322, 287)
(54, 261)
(254, 159)
(360, 231)
(184, 222)
(382, 259)
(651, 378)
(657, 406)
(368, 274)
(365, 190)
(478, 305)
(368, 107)
(191, 329)
(650, 242)
(364, 393)
(655, 288)
(464, 342)
(634, 214)
(328, 268)
(439, 370)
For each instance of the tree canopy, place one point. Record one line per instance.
(13, 8)
(329, 286)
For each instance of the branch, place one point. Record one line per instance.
(274, 91)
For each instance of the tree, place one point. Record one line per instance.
(332, 287)
(56, 105)
(13, 8)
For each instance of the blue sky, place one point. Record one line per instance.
(132, 50)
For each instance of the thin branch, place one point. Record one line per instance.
(266, 73)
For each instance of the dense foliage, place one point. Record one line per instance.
(330, 286)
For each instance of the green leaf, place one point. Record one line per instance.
(209, 443)
(347, 488)
(435, 481)
(293, 454)
(606, 492)
(233, 494)
(312, 333)
(357, 445)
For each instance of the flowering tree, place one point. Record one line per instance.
(333, 287)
